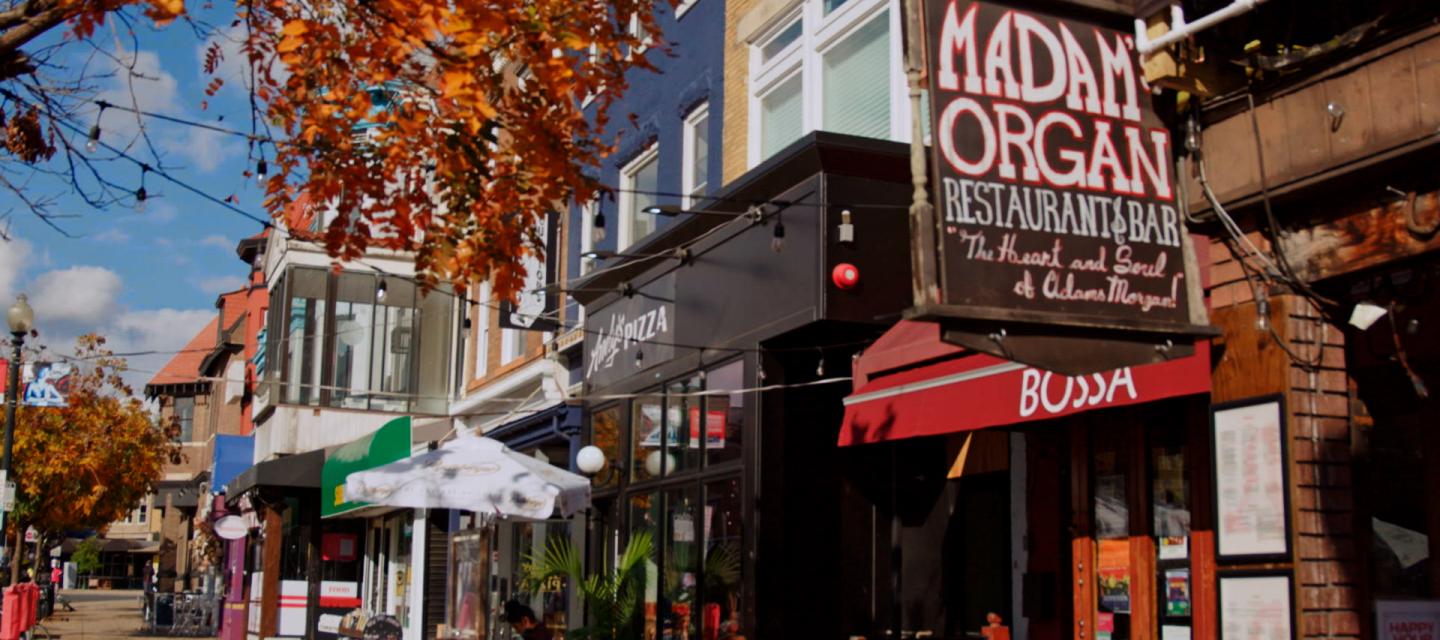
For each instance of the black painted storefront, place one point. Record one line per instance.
(781, 498)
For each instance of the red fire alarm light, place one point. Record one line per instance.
(845, 275)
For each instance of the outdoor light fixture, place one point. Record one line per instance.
(639, 358)
(380, 291)
(590, 460)
(261, 169)
(820, 365)
(846, 231)
(21, 319)
(777, 241)
(670, 210)
(1366, 314)
(1262, 313)
(597, 229)
(663, 210)
(140, 197)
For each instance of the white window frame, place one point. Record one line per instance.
(512, 345)
(688, 167)
(625, 221)
(481, 335)
(806, 56)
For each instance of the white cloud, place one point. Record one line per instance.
(83, 296)
(138, 81)
(164, 331)
(220, 284)
(218, 241)
(111, 235)
(13, 255)
(204, 149)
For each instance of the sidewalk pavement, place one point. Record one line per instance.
(98, 615)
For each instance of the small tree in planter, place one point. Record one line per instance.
(87, 557)
(612, 598)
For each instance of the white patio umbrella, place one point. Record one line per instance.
(475, 474)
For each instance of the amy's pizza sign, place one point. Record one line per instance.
(1055, 194)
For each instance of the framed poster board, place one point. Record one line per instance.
(1407, 619)
(1252, 499)
(1257, 605)
(469, 551)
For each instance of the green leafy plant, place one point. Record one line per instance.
(87, 555)
(612, 597)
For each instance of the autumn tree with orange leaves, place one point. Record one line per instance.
(91, 462)
(474, 115)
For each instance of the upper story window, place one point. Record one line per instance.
(696, 143)
(185, 417)
(355, 340)
(833, 65)
(639, 182)
(512, 345)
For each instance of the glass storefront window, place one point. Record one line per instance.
(723, 568)
(724, 414)
(1114, 575)
(645, 515)
(646, 420)
(683, 426)
(1170, 505)
(682, 563)
(605, 433)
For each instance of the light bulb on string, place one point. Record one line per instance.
(261, 169)
(820, 366)
(140, 194)
(639, 358)
(92, 142)
(1262, 312)
(597, 229)
(777, 241)
(380, 291)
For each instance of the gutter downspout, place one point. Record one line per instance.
(1180, 30)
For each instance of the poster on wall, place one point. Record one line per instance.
(1113, 572)
(1256, 606)
(1251, 502)
(1407, 619)
(1177, 593)
(1054, 187)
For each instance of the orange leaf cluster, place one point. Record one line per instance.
(92, 462)
(472, 115)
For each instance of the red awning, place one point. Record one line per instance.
(910, 384)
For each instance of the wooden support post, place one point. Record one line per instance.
(270, 575)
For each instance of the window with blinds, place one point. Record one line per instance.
(831, 65)
(782, 116)
(856, 80)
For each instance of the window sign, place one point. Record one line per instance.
(1256, 606)
(1055, 199)
(1250, 498)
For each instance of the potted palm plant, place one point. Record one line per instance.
(611, 597)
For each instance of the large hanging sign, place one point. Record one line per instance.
(535, 307)
(46, 384)
(1054, 188)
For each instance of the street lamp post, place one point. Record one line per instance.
(21, 318)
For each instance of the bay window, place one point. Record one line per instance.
(355, 340)
(833, 65)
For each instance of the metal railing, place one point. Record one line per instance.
(182, 614)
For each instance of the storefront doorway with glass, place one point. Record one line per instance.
(674, 460)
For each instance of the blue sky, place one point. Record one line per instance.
(145, 279)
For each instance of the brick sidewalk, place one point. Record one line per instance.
(98, 615)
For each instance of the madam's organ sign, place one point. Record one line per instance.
(1054, 188)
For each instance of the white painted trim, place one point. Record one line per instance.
(625, 221)
(481, 333)
(684, 7)
(506, 385)
(687, 161)
(415, 626)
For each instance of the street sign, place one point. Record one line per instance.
(7, 495)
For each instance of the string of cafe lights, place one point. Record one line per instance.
(754, 215)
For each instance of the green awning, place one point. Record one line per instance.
(387, 444)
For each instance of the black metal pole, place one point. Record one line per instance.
(12, 399)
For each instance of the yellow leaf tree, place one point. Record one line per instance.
(91, 462)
